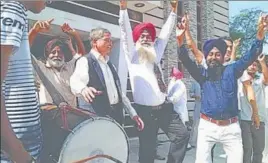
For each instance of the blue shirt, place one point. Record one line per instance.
(219, 97)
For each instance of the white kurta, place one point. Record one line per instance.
(143, 82)
(177, 94)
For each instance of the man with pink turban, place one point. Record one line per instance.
(177, 94)
(143, 53)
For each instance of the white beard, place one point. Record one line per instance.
(147, 54)
(55, 63)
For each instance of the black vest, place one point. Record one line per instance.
(101, 103)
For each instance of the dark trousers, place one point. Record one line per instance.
(116, 113)
(170, 122)
(253, 141)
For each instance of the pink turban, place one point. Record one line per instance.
(176, 73)
(140, 28)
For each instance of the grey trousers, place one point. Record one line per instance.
(253, 142)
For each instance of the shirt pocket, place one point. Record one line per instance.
(227, 87)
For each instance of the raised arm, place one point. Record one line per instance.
(39, 26)
(194, 70)
(190, 41)
(162, 40)
(75, 35)
(234, 49)
(126, 32)
(256, 48)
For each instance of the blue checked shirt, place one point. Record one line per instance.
(219, 97)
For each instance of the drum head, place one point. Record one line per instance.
(95, 136)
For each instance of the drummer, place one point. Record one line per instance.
(96, 80)
(56, 69)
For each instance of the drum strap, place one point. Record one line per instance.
(55, 95)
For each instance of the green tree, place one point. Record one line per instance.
(244, 26)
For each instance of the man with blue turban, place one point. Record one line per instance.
(219, 103)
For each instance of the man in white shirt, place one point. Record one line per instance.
(177, 94)
(96, 80)
(143, 53)
(254, 138)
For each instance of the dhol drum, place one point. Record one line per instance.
(96, 140)
(57, 123)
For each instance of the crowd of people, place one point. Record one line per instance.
(230, 94)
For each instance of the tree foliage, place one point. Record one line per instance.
(244, 26)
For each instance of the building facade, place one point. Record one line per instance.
(208, 19)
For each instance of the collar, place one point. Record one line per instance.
(99, 56)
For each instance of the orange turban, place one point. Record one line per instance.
(140, 28)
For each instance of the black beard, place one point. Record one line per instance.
(215, 71)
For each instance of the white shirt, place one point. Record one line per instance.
(143, 81)
(177, 94)
(246, 110)
(80, 79)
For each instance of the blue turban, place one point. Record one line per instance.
(218, 43)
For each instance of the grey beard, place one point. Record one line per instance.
(146, 54)
(55, 64)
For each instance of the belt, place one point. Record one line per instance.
(220, 122)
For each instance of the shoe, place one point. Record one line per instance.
(158, 157)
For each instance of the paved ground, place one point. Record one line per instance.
(163, 150)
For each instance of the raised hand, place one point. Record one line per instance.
(42, 26)
(262, 26)
(123, 4)
(236, 42)
(180, 31)
(261, 58)
(174, 4)
(68, 41)
(68, 30)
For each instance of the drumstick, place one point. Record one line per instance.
(99, 156)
